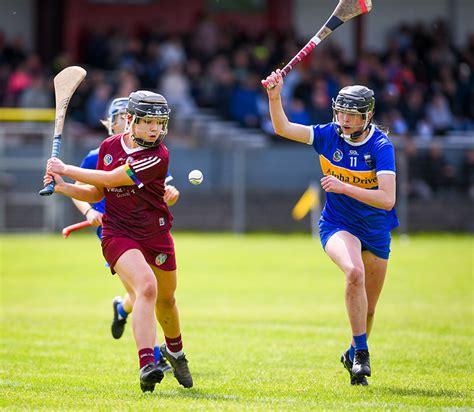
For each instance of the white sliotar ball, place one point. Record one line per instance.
(195, 177)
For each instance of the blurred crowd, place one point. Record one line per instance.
(424, 85)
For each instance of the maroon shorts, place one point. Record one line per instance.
(158, 250)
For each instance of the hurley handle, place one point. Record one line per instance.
(49, 189)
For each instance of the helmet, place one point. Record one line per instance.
(117, 107)
(354, 100)
(142, 104)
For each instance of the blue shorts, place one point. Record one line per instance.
(99, 232)
(379, 244)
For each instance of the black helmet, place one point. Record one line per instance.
(143, 103)
(355, 100)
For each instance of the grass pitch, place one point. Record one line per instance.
(263, 322)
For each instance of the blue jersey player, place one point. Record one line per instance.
(122, 307)
(358, 163)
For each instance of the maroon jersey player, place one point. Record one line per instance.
(136, 239)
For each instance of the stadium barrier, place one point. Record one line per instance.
(249, 185)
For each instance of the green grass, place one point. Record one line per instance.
(263, 322)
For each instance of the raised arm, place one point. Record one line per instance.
(281, 124)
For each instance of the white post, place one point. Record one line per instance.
(238, 191)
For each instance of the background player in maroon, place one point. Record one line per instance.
(136, 239)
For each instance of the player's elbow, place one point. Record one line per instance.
(279, 130)
(389, 203)
(96, 195)
(96, 199)
(281, 126)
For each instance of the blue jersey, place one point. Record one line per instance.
(90, 162)
(357, 164)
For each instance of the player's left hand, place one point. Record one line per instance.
(59, 182)
(332, 184)
(55, 165)
(171, 195)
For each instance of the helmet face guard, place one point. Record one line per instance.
(356, 100)
(148, 105)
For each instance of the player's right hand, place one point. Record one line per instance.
(171, 195)
(58, 181)
(275, 84)
(94, 217)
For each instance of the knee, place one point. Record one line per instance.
(166, 302)
(147, 288)
(355, 276)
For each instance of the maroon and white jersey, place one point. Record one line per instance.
(137, 211)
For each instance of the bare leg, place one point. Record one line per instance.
(134, 271)
(128, 302)
(375, 270)
(166, 309)
(128, 299)
(345, 251)
(168, 316)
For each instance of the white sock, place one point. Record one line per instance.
(175, 355)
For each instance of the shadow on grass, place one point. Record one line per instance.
(196, 394)
(430, 393)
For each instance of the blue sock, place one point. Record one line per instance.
(351, 352)
(157, 352)
(121, 311)
(361, 342)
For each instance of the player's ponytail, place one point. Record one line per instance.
(384, 129)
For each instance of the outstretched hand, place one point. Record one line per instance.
(275, 84)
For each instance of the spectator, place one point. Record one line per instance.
(398, 125)
(438, 172)
(416, 186)
(244, 101)
(413, 108)
(297, 112)
(96, 105)
(321, 107)
(19, 81)
(175, 86)
(424, 129)
(439, 114)
(38, 95)
(172, 52)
